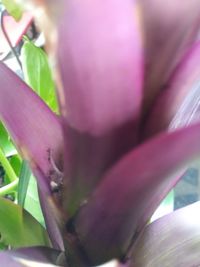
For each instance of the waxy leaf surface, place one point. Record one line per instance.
(101, 90)
(33, 127)
(178, 104)
(31, 257)
(170, 28)
(173, 240)
(130, 192)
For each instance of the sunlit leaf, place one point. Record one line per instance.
(32, 203)
(18, 228)
(5, 142)
(13, 8)
(37, 73)
(15, 162)
(24, 179)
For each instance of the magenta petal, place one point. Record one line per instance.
(34, 128)
(173, 240)
(169, 27)
(100, 59)
(179, 103)
(130, 192)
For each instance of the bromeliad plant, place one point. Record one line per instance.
(128, 70)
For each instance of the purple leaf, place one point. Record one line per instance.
(130, 192)
(173, 240)
(32, 257)
(178, 104)
(34, 128)
(36, 132)
(169, 29)
(101, 73)
(100, 57)
(52, 220)
(89, 157)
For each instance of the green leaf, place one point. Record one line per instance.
(5, 142)
(24, 179)
(18, 228)
(15, 162)
(32, 203)
(13, 8)
(37, 73)
(2, 245)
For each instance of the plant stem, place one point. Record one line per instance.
(7, 167)
(7, 189)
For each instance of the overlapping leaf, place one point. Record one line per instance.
(178, 104)
(31, 257)
(130, 192)
(173, 240)
(34, 128)
(18, 228)
(102, 88)
(175, 21)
